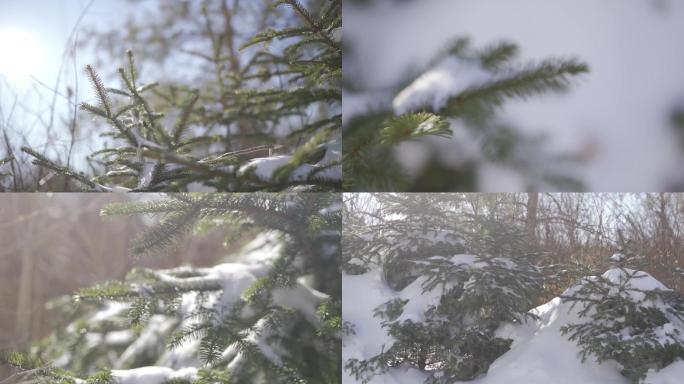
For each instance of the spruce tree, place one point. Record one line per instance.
(627, 316)
(269, 315)
(221, 134)
(456, 278)
(462, 86)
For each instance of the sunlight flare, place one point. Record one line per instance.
(21, 54)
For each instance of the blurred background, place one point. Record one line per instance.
(623, 122)
(578, 231)
(54, 244)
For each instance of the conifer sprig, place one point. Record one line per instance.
(489, 79)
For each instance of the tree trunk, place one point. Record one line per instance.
(531, 216)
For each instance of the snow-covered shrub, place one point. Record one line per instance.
(441, 303)
(539, 351)
(627, 316)
(270, 314)
(441, 129)
(444, 321)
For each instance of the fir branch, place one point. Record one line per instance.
(100, 90)
(550, 75)
(413, 126)
(313, 24)
(183, 121)
(44, 162)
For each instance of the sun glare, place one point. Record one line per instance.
(21, 54)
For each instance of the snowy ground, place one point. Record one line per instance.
(539, 353)
(617, 115)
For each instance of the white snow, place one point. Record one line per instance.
(539, 353)
(418, 301)
(368, 291)
(617, 257)
(672, 374)
(640, 280)
(433, 88)
(153, 375)
(328, 168)
(121, 337)
(301, 297)
(146, 174)
(111, 309)
(264, 167)
(263, 250)
(464, 259)
(259, 335)
(150, 341)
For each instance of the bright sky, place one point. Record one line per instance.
(43, 28)
(33, 38)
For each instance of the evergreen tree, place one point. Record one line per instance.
(627, 316)
(456, 281)
(463, 86)
(271, 315)
(223, 133)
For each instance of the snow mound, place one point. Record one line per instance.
(672, 374)
(433, 88)
(639, 280)
(539, 354)
(367, 337)
(369, 291)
